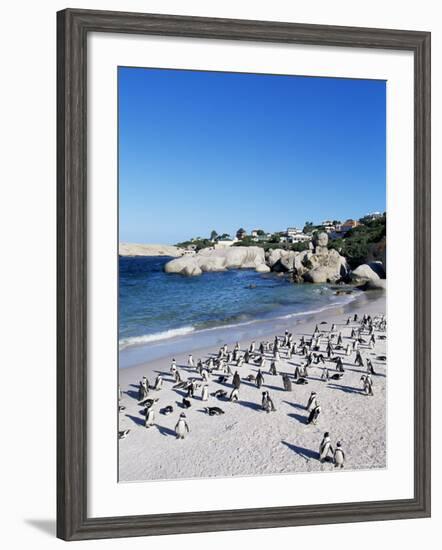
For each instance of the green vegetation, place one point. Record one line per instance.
(362, 243)
(198, 243)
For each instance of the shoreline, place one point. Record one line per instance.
(245, 441)
(188, 339)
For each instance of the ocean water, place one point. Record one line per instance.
(159, 310)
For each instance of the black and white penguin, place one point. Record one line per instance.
(213, 411)
(339, 456)
(325, 448)
(150, 417)
(181, 427)
(123, 434)
(314, 415)
(312, 401)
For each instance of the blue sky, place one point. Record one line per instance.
(209, 150)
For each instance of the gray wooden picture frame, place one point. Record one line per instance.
(73, 27)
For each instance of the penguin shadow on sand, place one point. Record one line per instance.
(165, 431)
(248, 383)
(163, 373)
(274, 388)
(307, 454)
(298, 417)
(132, 393)
(136, 420)
(295, 405)
(251, 405)
(346, 389)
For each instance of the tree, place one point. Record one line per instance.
(213, 235)
(308, 226)
(260, 232)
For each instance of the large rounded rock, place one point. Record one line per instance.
(316, 275)
(367, 272)
(187, 265)
(209, 263)
(262, 268)
(208, 259)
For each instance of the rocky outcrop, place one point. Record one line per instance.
(281, 261)
(210, 260)
(370, 276)
(315, 265)
(367, 272)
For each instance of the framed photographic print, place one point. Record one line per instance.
(238, 347)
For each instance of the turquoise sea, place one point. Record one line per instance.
(161, 313)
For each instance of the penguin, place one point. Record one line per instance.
(213, 411)
(287, 382)
(234, 395)
(236, 380)
(273, 370)
(190, 361)
(250, 378)
(370, 368)
(252, 347)
(205, 375)
(173, 366)
(339, 365)
(312, 401)
(167, 410)
(301, 381)
(314, 414)
(222, 379)
(358, 360)
(336, 376)
(367, 384)
(123, 434)
(158, 383)
(177, 376)
(259, 379)
(181, 427)
(325, 374)
(150, 417)
(205, 393)
(149, 402)
(191, 389)
(267, 402)
(186, 403)
(143, 389)
(339, 456)
(219, 394)
(325, 448)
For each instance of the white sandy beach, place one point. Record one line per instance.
(246, 440)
